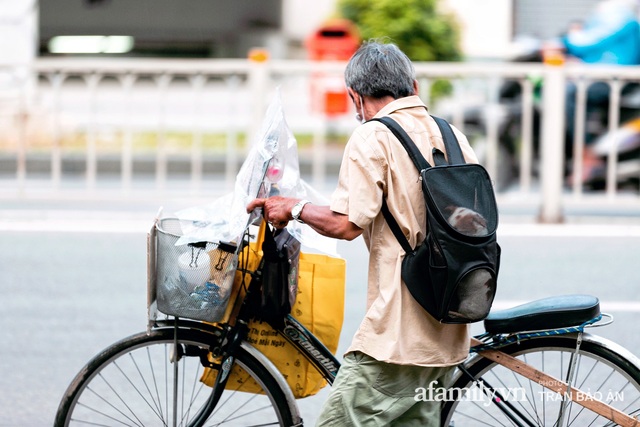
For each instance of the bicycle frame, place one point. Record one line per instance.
(563, 388)
(328, 366)
(312, 349)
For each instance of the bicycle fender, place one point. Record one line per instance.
(275, 373)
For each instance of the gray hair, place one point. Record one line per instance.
(380, 69)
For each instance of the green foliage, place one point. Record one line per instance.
(422, 31)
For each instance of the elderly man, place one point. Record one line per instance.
(398, 346)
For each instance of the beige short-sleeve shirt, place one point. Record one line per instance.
(395, 329)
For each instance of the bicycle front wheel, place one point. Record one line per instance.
(138, 382)
(600, 371)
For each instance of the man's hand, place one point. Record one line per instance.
(276, 210)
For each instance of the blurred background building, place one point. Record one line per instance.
(223, 29)
(99, 78)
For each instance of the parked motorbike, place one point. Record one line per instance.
(626, 142)
(508, 114)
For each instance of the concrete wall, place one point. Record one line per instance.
(222, 28)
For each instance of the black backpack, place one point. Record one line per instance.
(453, 273)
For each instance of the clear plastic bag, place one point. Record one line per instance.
(271, 168)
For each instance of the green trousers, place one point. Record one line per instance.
(367, 392)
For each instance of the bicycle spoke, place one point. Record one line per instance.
(563, 375)
(119, 398)
(157, 401)
(182, 395)
(193, 396)
(535, 405)
(110, 405)
(228, 399)
(275, 423)
(544, 406)
(531, 401)
(475, 419)
(579, 363)
(637, 411)
(582, 409)
(233, 414)
(513, 412)
(137, 382)
(157, 409)
(593, 369)
(229, 418)
(166, 387)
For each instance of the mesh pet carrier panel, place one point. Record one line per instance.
(473, 296)
(458, 196)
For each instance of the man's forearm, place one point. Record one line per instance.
(277, 210)
(329, 223)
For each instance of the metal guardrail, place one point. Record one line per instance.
(126, 96)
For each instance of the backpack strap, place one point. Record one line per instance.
(408, 144)
(395, 228)
(451, 144)
(418, 160)
(454, 154)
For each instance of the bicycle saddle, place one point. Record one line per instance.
(547, 313)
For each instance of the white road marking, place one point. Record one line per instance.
(29, 221)
(569, 230)
(123, 222)
(77, 226)
(74, 221)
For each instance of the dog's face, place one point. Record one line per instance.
(467, 221)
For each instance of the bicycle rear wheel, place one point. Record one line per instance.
(601, 371)
(135, 383)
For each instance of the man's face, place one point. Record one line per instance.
(358, 103)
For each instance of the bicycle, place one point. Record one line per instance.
(534, 365)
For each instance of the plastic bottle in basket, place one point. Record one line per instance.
(194, 268)
(209, 295)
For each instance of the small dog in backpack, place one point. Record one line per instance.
(467, 221)
(474, 295)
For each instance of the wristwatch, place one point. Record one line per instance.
(296, 210)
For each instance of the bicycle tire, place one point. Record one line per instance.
(602, 372)
(132, 383)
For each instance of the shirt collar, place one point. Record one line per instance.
(399, 104)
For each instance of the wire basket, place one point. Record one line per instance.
(193, 280)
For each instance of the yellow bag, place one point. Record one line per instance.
(319, 307)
